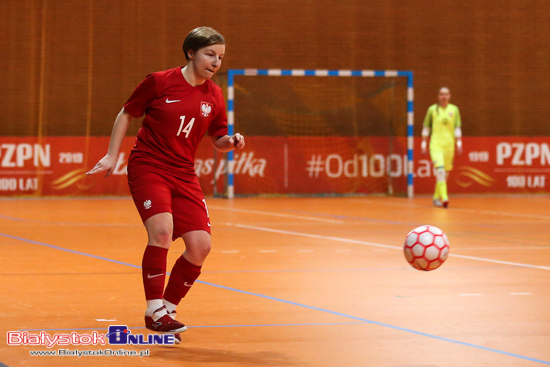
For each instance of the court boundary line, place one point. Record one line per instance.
(373, 244)
(274, 214)
(367, 321)
(465, 210)
(296, 304)
(210, 326)
(68, 250)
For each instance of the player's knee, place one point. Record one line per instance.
(161, 236)
(440, 174)
(197, 246)
(203, 249)
(198, 250)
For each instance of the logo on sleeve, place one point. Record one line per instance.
(147, 204)
(206, 109)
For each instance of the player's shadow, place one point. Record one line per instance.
(223, 356)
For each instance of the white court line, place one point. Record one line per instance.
(230, 252)
(504, 214)
(48, 222)
(471, 294)
(105, 320)
(277, 214)
(520, 294)
(507, 248)
(318, 236)
(347, 240)
(453, 209)
(267, 251)
(502, 262)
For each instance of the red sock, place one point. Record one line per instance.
(153, 270)
(181, 279)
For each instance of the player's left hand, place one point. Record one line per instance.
(459, 146)
(237, 141)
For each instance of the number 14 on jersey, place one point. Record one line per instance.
(187, 129)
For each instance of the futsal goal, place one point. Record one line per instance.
(320, 132)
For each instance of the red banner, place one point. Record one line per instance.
(56, 166)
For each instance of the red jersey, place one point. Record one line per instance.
(177, 116)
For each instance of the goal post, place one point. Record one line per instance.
(232, 73)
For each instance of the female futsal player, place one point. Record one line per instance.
(180, 105)
(442, 125)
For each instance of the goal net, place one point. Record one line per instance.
(320, 132)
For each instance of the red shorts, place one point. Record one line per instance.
(155, 191)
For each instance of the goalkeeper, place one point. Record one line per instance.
(442, 125)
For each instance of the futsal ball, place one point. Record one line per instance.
(426, 248)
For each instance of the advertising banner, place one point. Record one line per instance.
(56, 166)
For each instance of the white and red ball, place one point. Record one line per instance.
(426, 248)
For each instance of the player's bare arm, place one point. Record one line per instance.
(108, 162)
(425, 137)
(227, 143)
(458, 138)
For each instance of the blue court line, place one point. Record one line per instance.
(207, 326)
(299, 305)
(404, 268)
(68, 250)
(379, 323)
(14, 218)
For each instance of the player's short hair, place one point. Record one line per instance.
(201, 37)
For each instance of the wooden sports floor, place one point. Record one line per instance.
(289, 282)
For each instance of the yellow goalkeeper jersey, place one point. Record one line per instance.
(442, 122)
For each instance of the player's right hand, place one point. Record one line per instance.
(237, 141)
(424, 147)
(106, 163)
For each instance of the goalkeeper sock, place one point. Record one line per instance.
(443, 190)
(436, 192)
